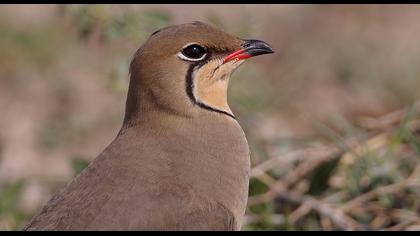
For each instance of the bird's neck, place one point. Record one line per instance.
(148, 103)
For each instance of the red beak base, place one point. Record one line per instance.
(239, 55)
(249, 49)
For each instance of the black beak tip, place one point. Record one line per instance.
(271, 51)
(257, 47)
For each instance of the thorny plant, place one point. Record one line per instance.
(369, 181)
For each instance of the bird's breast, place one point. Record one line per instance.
(213, 160)
(194, 160)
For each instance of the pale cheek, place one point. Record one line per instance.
(211, 85)
(225, 71)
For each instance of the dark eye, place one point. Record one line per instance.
(193, 52)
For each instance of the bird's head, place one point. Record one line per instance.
(185, 69)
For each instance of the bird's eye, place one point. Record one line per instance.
(193, 52)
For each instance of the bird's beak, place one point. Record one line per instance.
(250, 48)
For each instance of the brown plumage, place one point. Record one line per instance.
(181, 160)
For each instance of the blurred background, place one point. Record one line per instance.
(331, 117)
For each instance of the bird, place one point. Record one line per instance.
(181, 160)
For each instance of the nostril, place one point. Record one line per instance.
(247, 45)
